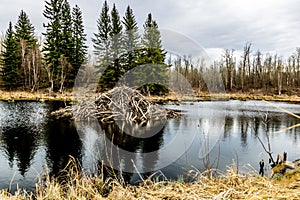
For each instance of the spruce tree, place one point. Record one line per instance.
(101, 39)
(26, 42)
(67, 44)
(80, 49)
(102, 49)
(116, 33)
(66, 30)
(116, 45)
(10, 60)
(131, 39)
(151, 42)
(25, 30)
(53, 41)
(60, 44)
(153, 56)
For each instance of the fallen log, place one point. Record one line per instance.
(120, 103)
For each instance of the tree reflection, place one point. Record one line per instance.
(256, 124)
(244, 123)
(151, 144)
(19, 143)
(21, 127)
(228, 126)
(61, 141)
(114, 134)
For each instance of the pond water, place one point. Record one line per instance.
(223, 131)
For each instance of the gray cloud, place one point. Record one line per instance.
(271, 25)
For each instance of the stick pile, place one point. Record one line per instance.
(120, 103)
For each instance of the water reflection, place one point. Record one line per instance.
(244, 125)
(29, 140)
(228, 126)
(21, 126)
(133, 152)
(61, 141)
(18, 143)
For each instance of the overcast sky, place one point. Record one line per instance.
(270, 25)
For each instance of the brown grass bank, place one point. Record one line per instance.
(34, 96)
(228, 185)
(243, 96)
(44, 95)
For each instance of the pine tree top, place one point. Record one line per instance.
(24, 29)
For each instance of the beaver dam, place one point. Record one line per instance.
(120, 103)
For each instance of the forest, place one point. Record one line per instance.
(252, 72)
(52, 61)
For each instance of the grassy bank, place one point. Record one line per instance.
(34, 96)
(230, 96)
(229, 185)
(202, 96)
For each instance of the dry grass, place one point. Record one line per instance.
(229, 185)
(34, 96)
(204, 96)
(43, 95)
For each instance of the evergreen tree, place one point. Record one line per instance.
(115, 70)
(101, 39)
(116, 34)
(10, 60)
(66, 31)
(60, 44)
(153, 56)
(26, 42)
(102, 49)
(151, 42)
(131, 39)
(53, 41)
(80, 49)
(24, 29)
(67, 42)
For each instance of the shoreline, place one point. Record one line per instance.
(227, 185)
(34, 96)
(203, 96)
(228, 96)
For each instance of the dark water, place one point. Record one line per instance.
(30, 142)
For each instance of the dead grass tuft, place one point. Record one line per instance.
(206, 185)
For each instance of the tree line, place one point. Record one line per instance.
(119, 48)
(31, 63)
(53, 60)
(252, 72)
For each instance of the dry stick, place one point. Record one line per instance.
(267, 151)
(137, 170)
(122, 103)
(268, 138)
(141, 111)
(288, 128)
(288, 112)
(282, 109)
